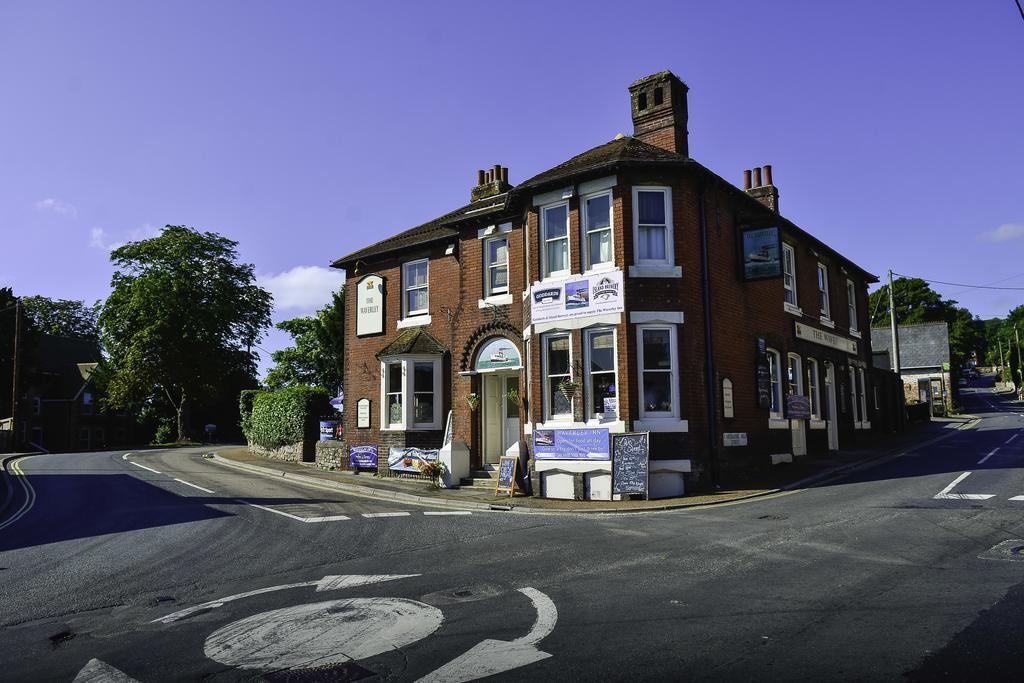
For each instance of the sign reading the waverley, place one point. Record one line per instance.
(370, 305)
(834, 341)
(577, 297)
(498, 354)
(761, 254)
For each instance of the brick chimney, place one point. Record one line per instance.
(659, 111)
(490, 183)
(761, 188)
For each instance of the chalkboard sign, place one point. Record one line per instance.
(506, 474)
(764, 376)
(630, 463)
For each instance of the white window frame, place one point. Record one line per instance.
(814, 387)
(825, 307)
(588, 389)
(544, 241)
(584, 213)
(794, 306)
(862, 399)
(545, 378)
(854, 403)
(851, 306)
(406, 313)
(488, 266)
(775, 372)
(673, 371)
(794, 367)
(654, 267)
(408, 398)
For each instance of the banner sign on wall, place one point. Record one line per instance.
(829, 339)
(362, 457)
(578, 297)
(571, 444)
(406, 459)
(761, 254)
(370, 305)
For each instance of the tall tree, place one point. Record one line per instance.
(182, 316)
(317, 357)
(63, 317)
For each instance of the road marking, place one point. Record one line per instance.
(132, 462)
(1012, 438)
(496, 656)
(372, 515)
(30, 495)
(332, 518)
(991, 453)
(123, 457)
(324, 584)
(1017, 498)
(945, 494)
(449, 512)
(101, 672)
(182, 481)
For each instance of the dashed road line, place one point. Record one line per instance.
(1017, 498)
(331, 518)
(945, 494)
(445, 513)
(372, 515)
(144, 467)
(991, 453)
(195, 486)
(1012, 438)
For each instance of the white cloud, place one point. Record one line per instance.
(303, 288)
(1004, 233)
(57, 206)
(100, 239)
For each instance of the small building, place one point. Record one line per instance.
(924, 363)
(627, 289)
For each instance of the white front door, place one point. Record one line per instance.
(830, 406)
(510, 431)
(798, 428)
(500, 415)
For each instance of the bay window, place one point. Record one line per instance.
(557, 369)
(411, 392)
(597, 225)
(554, 222)
(658, 378)
(393, 395)
(496, 266)
(600, 376)
(415, 292)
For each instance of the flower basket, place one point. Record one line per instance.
(569, 389)
(473, 400)
(433, 470)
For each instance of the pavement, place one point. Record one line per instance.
(804, 471)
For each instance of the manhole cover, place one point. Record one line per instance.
(1012, 550)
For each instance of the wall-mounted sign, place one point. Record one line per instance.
(727, 405)
(370, 305)
(363, 413)
(733, 439)
(362, 457)
(764, 376)
(498, 354)
(761, 254)
(577, 297)
(798, 407)
(834, 341)
(570, 444)
(409, 459)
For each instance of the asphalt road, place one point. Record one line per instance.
(188, 570)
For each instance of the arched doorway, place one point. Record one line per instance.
(498, 364)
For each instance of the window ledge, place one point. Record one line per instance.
(778, 423)
(661, 424)
(613, 426)
(414, 321)
(817, 424)
(601, 269)
(495, 300)
(655, 271)
(827, 322)
(855, 333)
(795, 310)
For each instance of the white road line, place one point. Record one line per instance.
(332, 518)
(385, 514)
(30, 495)
(945, 494)
(991, 453)
(123, 457)
(1012, 438)
(276, 512)
(1017, 498)
(145, 468)
(955, 482)
(452, 512)
(182, 481)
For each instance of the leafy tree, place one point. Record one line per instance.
(317, 356)
(180, 320)
(63, 317)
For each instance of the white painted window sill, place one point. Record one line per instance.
(827, 322)
(661, 424)
(495, 300)
(656, 271)
(600, 269)
(793, 310)
(817, 424)
(862, 425)
(855, 333)
(414, 321)
(612, 425)
(778, 423)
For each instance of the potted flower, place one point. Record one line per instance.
(569, 388)
(473, 400)
(512, 395)
(432, 469)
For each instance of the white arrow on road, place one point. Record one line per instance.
(101, 672)
(495, 656)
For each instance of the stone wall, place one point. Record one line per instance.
(300, 451)
(332, 455)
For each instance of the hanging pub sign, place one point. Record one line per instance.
(370, 305)
(764, 376)
(498, 354)
(762, 254)
(798, 407)
(577, 297)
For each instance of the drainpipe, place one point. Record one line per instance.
(709, 358)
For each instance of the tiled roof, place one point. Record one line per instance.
(56, 365)
(413, 341)
(619, 151)
(924, 345)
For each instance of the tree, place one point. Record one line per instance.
(317, 356)
(63, 317)
(180, 320)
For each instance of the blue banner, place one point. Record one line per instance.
(362, 457)
(407, 459)
(571, 444)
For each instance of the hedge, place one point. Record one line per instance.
(284, 417)
(245, 401)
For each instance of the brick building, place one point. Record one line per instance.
(628, 289)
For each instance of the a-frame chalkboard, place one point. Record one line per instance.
(631, 470)
(506, 475)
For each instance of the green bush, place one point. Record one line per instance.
(165, 432)
(245, 401)
(287, 416)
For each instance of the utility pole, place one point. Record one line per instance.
(1020, 367)
(895, 331)
(998, 339)
(14, 374)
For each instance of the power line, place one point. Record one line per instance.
(960, 284)
(994, 282)
(1021, 8)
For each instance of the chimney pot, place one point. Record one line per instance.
(479, 177)
(757, 177)
(746, 179)
(504, 174)
(768, 174)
